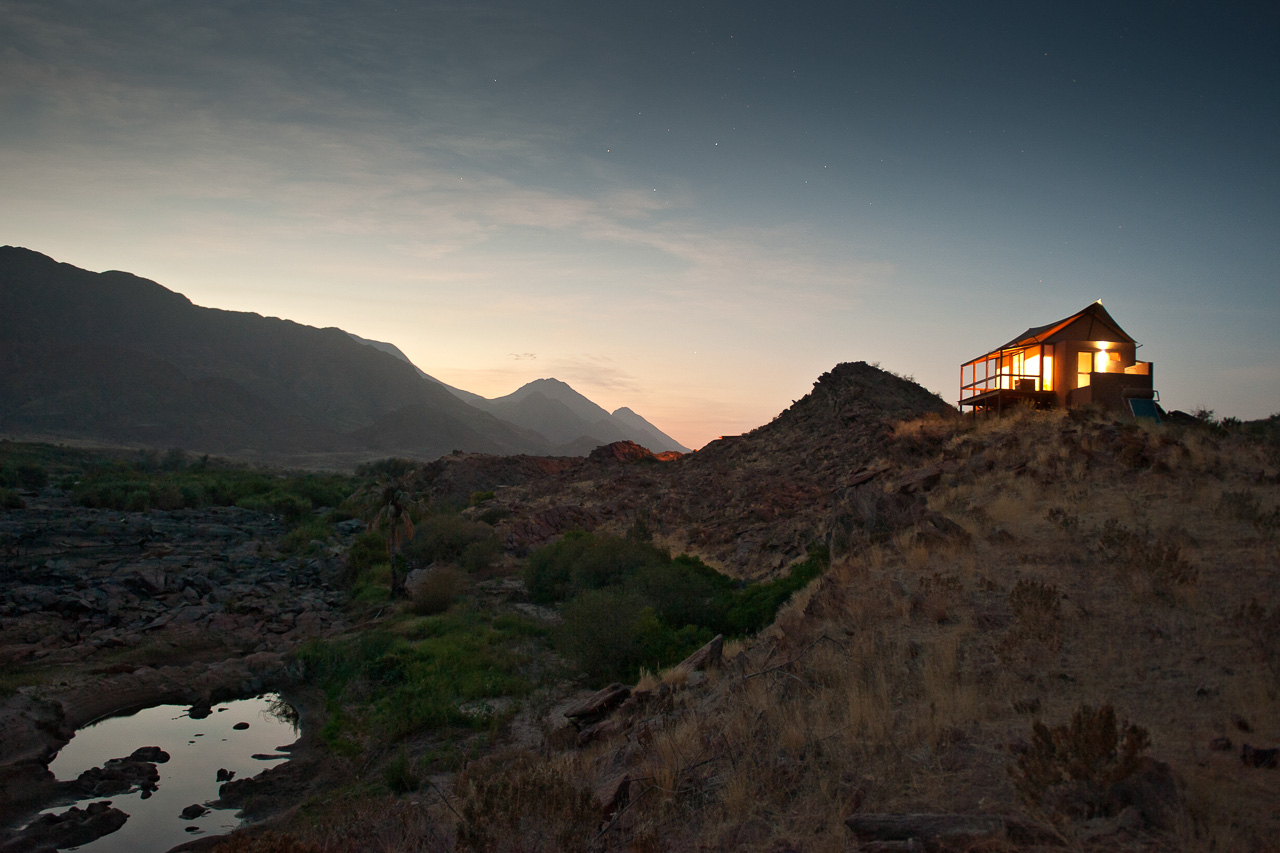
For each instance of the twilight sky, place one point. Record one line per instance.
(692, 209)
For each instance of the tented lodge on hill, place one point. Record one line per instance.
(1084, 358)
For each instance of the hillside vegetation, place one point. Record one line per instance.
(1061, 626)
(1058, 621)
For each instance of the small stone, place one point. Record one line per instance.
(240, 726)
(1253, 757)
(194, 811)
(149, 753)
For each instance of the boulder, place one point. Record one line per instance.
(193, 811)
(73, 828)
(1254, 757)
(599, 703)
(1154, 790)
(709, 655)
(149, 753)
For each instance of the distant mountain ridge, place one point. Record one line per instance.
(561, 414)
(558, 413)
(114, 357)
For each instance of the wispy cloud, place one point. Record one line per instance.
(594, 372)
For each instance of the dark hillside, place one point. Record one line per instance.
(115, 357)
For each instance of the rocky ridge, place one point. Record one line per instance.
(747, 504)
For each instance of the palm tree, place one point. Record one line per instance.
(392, 506)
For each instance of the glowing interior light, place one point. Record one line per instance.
(1104, 361)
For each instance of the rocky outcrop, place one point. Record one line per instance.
(202, 588)
(72, 828)
(750, 504)
(79, 581)
(622, 452)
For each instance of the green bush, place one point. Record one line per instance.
(582, 561)
(611, 634)
(32, 476)
(434, 593)
(287, 505)
(403, 685)
(401, 774)
(368, 550)
(169, 486)
(450, 538)
(629, 604)
(300, 537)
(685, 591)
(9, 499)
(755, 606)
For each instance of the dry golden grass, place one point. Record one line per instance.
(1105, 563)
(899, 680)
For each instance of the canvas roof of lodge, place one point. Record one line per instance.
(1095, 313)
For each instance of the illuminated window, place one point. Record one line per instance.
(1106, 362)
(1084, 366)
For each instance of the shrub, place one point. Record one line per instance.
(393, 466)
(611, 634)
(492, 515)
(582, 561)
(300, 537)
(1037, 607)
(685, 591)
(451, 538)
(434, 593)
(1070, 769)
(1159, 562)
(517, 801)
(9, 499)
(1035, 602)
(32, 476)
(398, 686)
(288, 506)
(401, 774)
(755, 606)
(368, 550)
(937, 594)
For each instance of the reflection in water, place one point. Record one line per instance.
(198, 748)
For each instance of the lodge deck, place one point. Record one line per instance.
(999, 399)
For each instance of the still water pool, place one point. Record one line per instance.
(198, 749)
